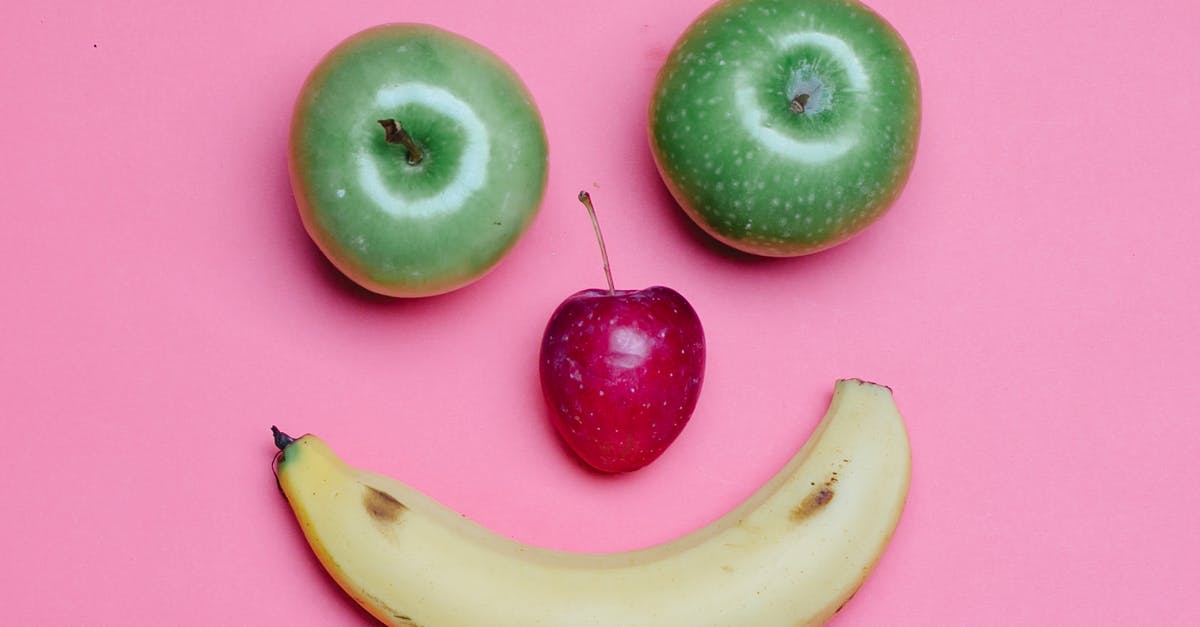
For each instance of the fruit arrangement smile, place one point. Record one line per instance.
(418, 158)
(791, 554)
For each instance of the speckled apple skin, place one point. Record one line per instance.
(408, 230)
(756, 174)
(621, 373)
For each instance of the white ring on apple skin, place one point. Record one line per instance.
(855, 73)
(472, 170)
(754, 121)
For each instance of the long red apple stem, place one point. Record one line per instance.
(397, 135)
(587, 203)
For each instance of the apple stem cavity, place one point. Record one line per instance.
(396, 135)
(586, 199)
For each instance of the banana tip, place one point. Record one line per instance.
(282, 440)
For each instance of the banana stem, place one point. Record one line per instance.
(282, 440)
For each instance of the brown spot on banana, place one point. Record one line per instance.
(382, 506)
(816, 500)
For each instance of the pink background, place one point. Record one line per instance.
(1032, 299)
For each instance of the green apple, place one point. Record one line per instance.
(784, 127)
(417, 159)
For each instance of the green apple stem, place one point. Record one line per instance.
(586, 199)
(798, 103)
(397, 135)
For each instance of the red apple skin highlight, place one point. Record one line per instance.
(621, 371)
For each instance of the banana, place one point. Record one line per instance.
(792, 554)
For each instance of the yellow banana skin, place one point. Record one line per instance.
(790, 555)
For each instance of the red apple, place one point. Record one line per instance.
(621, 370)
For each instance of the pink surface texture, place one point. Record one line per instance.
(1032, 299)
